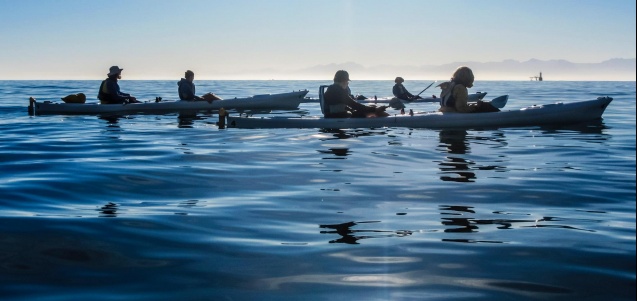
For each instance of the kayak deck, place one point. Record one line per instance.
(281, 101)
(473, 97)
(549, 114)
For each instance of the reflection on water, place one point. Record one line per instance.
(338, 152)
(470, 224)
(111, 120)
(351, 133)
(455, 141)
(591, 127)
(461, 219)
(108, 210)
(456, 168)
(350, 236)
(186, 120)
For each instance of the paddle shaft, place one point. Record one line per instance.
(425, 89)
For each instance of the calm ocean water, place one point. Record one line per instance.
(166, 207)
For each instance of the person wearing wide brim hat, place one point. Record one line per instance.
(338, 103)
(114, 70)
(109, 92)
(400, 91)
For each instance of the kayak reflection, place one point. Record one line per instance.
(456, 167)
(353, 133)
(350, 236)
(340, 153)
(108, 210)
(112, 120)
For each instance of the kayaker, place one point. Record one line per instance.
(187, 87)
(455, 94)
(109, 92)
(339, 104)
(401, 92)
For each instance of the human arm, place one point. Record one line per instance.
(461, 94)
(401, 92)
(113, 89)
(357, 106)
(337, 103)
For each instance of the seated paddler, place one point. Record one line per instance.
(187, 87)
(455, 94)
(109, 89)
(337, 102)
(401, 92)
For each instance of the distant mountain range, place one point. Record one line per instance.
(610, 70)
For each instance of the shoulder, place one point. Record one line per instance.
(335, 88)
(459, 87)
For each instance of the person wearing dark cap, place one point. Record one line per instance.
(339, 104)
(109, 89)
(401, 92)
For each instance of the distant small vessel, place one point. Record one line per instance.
(537, 78)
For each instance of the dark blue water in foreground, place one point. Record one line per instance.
(163, 207)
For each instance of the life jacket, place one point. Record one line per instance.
(103, 93)
(186, 89)
(446, 97)
(332, 109)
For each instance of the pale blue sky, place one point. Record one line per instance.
(160, 39)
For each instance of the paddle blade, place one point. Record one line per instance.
(500, 101)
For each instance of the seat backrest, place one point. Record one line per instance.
(321, 97)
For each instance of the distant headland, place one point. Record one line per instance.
(561, 70)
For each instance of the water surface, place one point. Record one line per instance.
(169, 207)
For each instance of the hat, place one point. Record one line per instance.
(399, 80)
(341, 75)
(114, 70)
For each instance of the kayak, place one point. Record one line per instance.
(473, 97)
(549, 114)
(281, 101)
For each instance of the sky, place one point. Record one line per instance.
(250, 39)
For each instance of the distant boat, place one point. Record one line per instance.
(537, 78)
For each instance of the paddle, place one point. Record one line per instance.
(397, 104)
(500, 101)
(423, 90)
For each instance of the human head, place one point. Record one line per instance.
(114, 71)
(463, 75)
(189, 74)
(341, 76)
(399, 80)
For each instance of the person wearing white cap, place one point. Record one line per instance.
(109, 89)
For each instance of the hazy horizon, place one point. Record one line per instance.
(484, 71)
(288, 39)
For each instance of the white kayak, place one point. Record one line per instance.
(281, 101)
(473, 97)
(537, 115)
